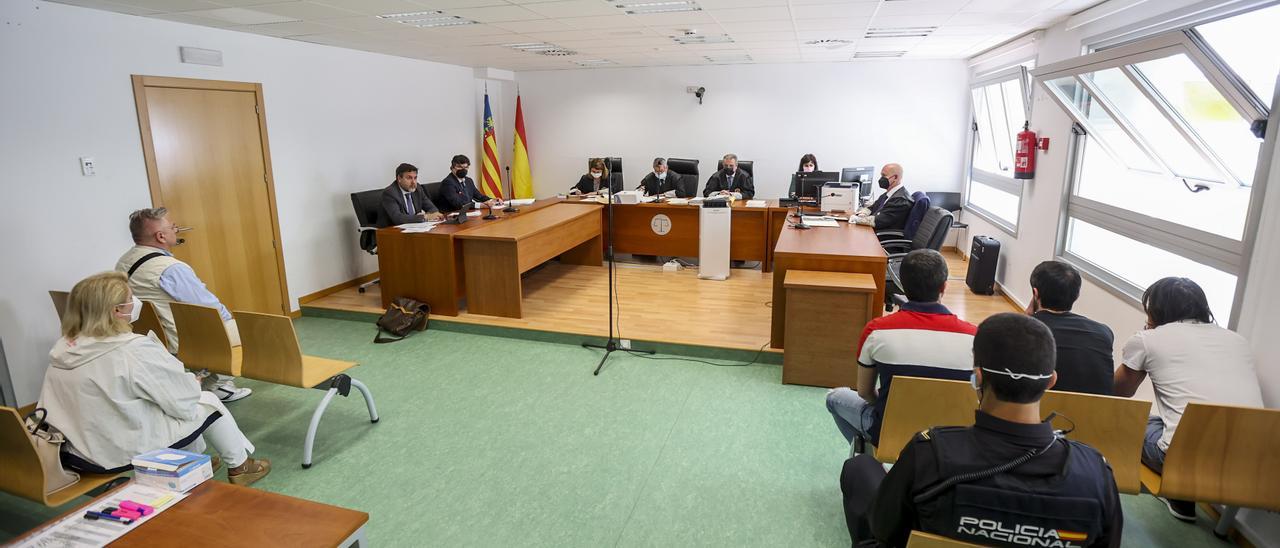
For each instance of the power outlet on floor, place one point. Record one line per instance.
(625, 344)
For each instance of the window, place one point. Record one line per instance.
(1167, 144)
(999, 112)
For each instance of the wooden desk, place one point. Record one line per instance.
(496, 254)
(428, 266)
(216, 511)
(640, 230)
(821, 350)
(846, 248)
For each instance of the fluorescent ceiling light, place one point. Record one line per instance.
(703, 39)
(592, 62)
(670, 6)
(899, 32)
(409, 15)
(877, 54)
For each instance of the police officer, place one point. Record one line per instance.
(1009, 480)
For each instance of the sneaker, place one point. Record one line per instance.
(251, 471)
(229, 393)
(1184, 510)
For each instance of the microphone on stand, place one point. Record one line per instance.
(511, 208)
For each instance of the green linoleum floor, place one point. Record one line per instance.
(500, 442)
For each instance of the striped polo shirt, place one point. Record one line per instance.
(919, 340)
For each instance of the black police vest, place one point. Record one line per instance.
(1003, 509)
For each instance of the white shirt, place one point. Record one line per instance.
(1191, 361)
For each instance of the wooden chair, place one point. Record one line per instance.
(149, 322)
(60, 302)
(203, 341)
(919, 404)
(920, 539)
(1225, 455)
(272, 354)
(1114, 426)
(23, 476)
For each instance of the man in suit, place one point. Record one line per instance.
(730, 181)
(457, 190)
(661, 180)
(404, 201)
(890, 211)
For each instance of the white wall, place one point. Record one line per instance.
(338, 121)
(848, 114)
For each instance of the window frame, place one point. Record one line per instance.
(1219, 252)
(996, 181)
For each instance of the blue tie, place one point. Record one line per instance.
(408, 204)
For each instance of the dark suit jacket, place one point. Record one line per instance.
(456, 194)
(585, 185)
(653, 187)
(393, 210)
(741, 183)
(893, 214)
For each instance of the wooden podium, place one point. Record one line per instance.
(826, 312)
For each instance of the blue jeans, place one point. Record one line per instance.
(1152, 454)
(853, 415)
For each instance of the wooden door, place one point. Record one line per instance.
(205, 144)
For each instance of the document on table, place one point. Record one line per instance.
(757, 203)
(820, 222)
(520, 202)
(76, 530)
(414, 228)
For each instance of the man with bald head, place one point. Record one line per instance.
(890, 211)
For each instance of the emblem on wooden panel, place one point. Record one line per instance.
(661, 224)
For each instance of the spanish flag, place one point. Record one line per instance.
(490, 174)
(521, 175)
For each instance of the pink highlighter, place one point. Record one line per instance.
(137, 508)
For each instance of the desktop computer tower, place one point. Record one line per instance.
(981, 277)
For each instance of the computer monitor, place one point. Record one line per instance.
(857, 174)
(809, 185)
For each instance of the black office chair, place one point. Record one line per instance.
(433, 194)
(368, 206)
(687, 187)
(919, 206)
(745, 165)
(931, 234)
(950, 201)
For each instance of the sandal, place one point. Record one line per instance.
(251, 471)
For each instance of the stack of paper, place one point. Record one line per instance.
(757, 203)
(414, 228)
(75, 530)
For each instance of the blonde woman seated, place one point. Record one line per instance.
(116, 394)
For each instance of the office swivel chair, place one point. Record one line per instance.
(919, 206)
(368, 206)
(433, 194)
(688, 171)
(932, 232)
(745, 165)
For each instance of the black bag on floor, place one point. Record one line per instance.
(404, 316)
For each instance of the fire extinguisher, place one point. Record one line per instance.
(1024, 158)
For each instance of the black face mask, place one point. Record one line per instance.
(729, 170)
(884, 182)
(462, 173)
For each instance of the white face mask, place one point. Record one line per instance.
(136, 311)
(595, 174)
(660, 176)
(808, 169)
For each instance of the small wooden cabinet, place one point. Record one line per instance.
(825, 315)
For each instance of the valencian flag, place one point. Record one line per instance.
(490, 178)
(521, 176)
